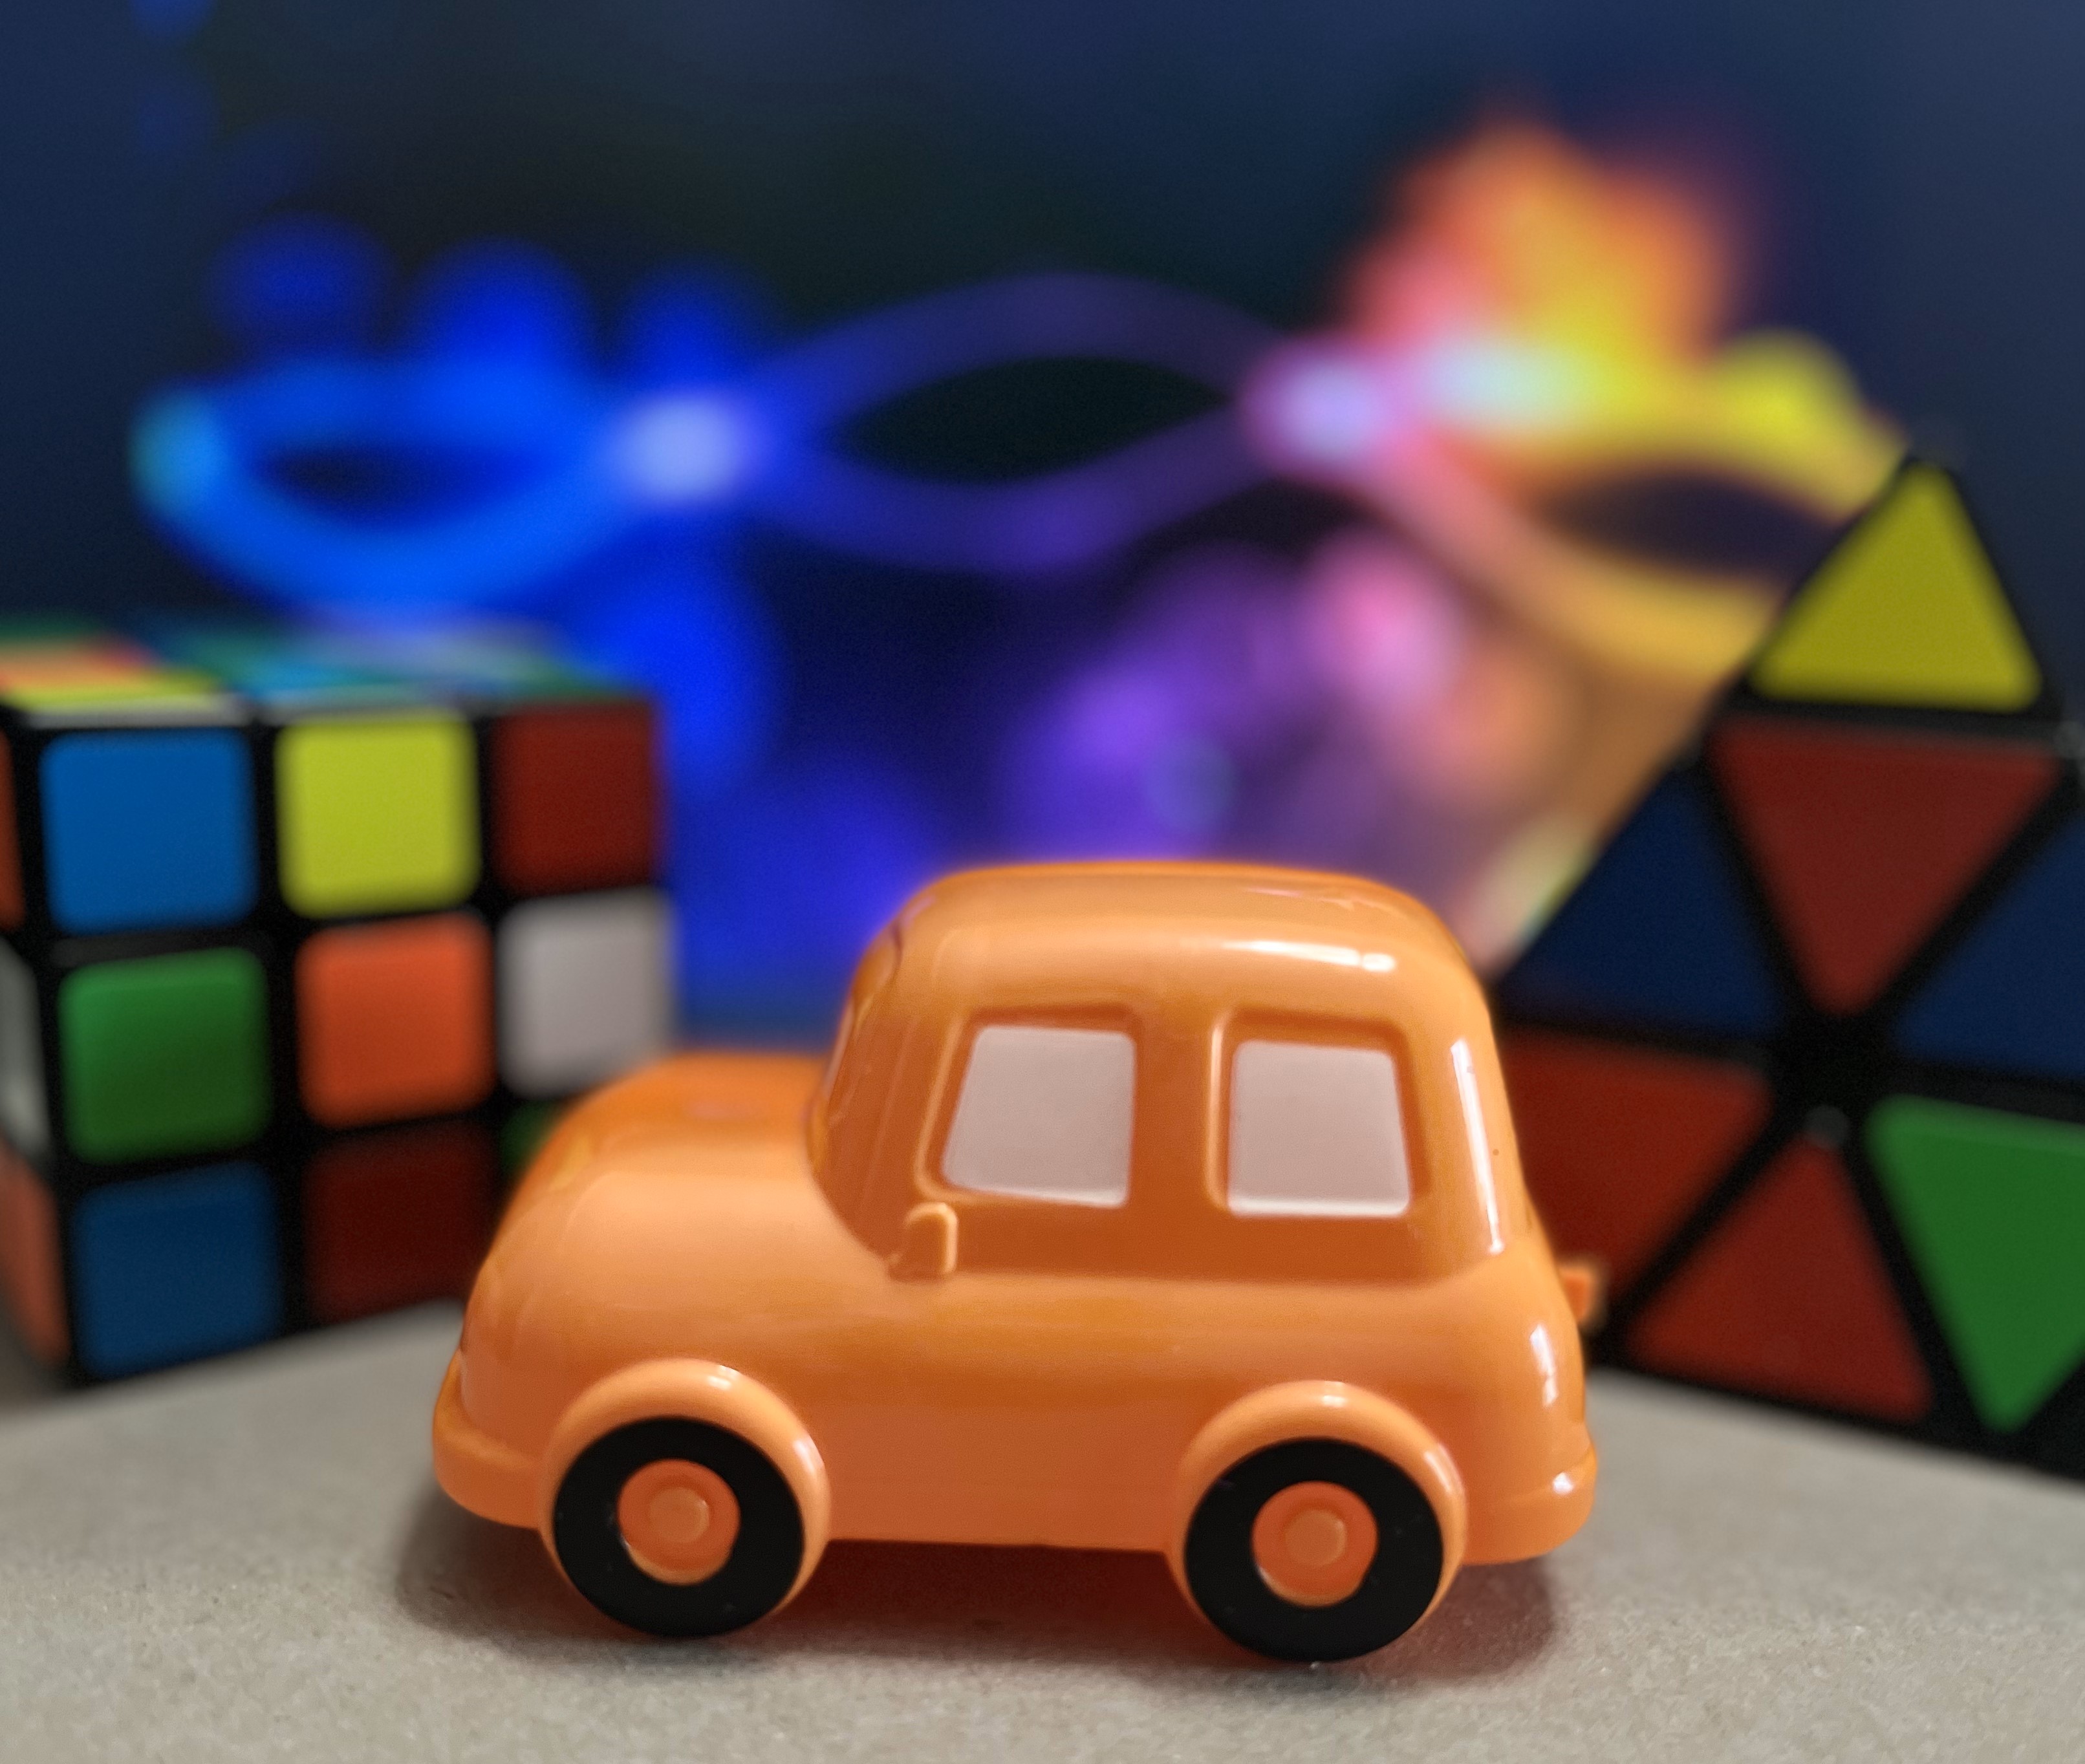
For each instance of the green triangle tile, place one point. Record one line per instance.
(1993, 1208)
(1906, 611)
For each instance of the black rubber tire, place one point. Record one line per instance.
(1399, 1586)
(756, 1576)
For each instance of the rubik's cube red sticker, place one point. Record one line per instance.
(1801, 1059)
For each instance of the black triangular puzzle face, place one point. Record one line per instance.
(1802, 1057)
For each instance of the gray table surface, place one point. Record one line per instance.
(250, 1560)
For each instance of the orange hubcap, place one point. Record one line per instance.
(678, 1520)
(1313, 1542)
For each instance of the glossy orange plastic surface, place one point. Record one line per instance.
(678, 1519)
(779, 1250)
(1314, 1541)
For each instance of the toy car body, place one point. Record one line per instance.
(1155, 1207)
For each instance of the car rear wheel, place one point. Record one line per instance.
(678, 1527)
(1313, 1550)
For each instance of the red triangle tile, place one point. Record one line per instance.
(1619, 1143)
(1789, 1298)
(1864, 841)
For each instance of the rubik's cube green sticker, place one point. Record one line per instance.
(164, 1054)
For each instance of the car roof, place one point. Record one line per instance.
(1237, 901)
(1184, 952)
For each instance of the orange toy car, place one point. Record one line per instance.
(1139, 1206)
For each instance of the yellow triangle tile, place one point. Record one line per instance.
(1907, 611)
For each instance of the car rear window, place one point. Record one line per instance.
(1045, 1112)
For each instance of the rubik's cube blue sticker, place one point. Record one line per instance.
(1801, 1059)
(299, 936)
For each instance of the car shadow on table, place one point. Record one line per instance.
(467, 1577)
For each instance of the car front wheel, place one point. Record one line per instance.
(1313, 1550)
(678, 1527)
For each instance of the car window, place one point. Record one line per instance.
(1045, 1112)
(1316, 1130)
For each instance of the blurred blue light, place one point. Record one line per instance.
(703, 648)
(782, 884)
(210, 460)
(502, 301)
(607, 497)
(685, 448)
(298, 283)
(687, 326)
(170, 21)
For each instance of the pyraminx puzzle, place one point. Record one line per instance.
(1802, 1057)
(292, 935)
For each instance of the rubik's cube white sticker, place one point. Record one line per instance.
(585, 989)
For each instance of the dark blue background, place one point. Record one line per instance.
(1918, 166)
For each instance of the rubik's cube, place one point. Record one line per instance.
(294, 933)
(1802, 1057)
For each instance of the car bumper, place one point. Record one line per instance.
(478, 1472)
(1533, 1523)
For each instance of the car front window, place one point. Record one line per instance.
(1316, 1131)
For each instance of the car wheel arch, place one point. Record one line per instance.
(693, 1390)
(1281, 1414)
